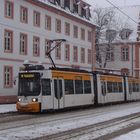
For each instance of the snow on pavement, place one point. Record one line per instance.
(4, 108)
(47, 128)
(133, 135)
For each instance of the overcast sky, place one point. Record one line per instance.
(104, 3)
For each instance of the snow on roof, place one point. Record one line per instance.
(131, 20)
(91, 21)
(127, 17)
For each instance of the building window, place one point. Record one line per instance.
(36, 19)
(48, 22)
(75, 54)
(67, 52)
(9, 9)
(89, 36)
(75, 7)
(78, 87)
(67, 28)
(23, 14)
(138, 37)
(125, 33)
(82, 34)
(67, 3)
(75, 31)
(125, 53)
(8, 74)
(58, 2)
(58, 26)
(23, 44)
(52, 1)
(47, 46)
(82, 55)
(8, 41)
(110, 56)
(36, 46)
(89, 56)
(83, 12)
(58, 52)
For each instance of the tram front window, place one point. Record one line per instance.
(29, 87)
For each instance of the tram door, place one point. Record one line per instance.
(58, 94)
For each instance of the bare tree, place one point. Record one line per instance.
(109, 26)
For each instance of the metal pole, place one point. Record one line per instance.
(93, 51)
(132, 60)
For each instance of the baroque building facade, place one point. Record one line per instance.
(124, 55)
(27, 25)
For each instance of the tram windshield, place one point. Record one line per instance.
(29, 84)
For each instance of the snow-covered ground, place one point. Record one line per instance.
(7, 108)
(134, 135)
(47, 128)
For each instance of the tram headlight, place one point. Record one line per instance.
(34, 100)
(19, 99)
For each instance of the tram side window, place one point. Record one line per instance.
(120, 87)
(115, 87)
(134, 87)
(69, 89)
(103, 87)
(87, 86)
(46, 87)
(130, 88)
(78, 87)
(137, 87)
(109, 87)
(58, 91)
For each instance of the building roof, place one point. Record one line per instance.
(127, 17)
(66, 11)
(131, 20)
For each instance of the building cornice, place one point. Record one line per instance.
(61, 12)
(120, 43)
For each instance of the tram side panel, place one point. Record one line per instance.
(47, 93)
(80, 92)
(128, 94)
(133, 89)
(77, 88)
(101, 88)
(110, 89)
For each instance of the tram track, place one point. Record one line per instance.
(16, 116)
(13, 120)
(117, 125)
(29, 120)
(22, 122)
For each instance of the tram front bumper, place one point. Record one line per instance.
(28, 107)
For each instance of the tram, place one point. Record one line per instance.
(41, 89)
